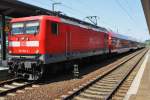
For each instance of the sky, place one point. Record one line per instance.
(123, 16)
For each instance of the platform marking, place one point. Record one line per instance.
(136, 82)
(3, 68)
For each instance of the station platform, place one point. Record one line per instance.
(140, 87)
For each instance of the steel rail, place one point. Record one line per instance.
(124, 78)
(17, 87)
(8, 81)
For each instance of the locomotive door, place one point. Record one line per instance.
(68, 41)
(105, 42)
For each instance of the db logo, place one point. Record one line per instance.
(23, 43)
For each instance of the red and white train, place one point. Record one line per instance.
(37, 41)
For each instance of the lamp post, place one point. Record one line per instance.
(53, 5)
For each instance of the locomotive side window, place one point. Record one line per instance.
(54, 28)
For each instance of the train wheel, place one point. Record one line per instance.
(38, 72)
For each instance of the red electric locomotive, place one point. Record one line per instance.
(37, 41)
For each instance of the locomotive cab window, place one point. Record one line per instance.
(54, 28)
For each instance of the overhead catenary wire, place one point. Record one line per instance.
(130, 8)
(135, 24)
(126, 12)
(100, 18)
(128, 5)
(131, 17)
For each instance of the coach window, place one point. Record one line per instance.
(54, 28)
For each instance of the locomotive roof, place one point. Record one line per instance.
(77, 22)
(64, 20)
(71, 19)
(84, 25)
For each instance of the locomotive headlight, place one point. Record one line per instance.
(27, 38)
(22, 38)
(37, 51)
(10, 51)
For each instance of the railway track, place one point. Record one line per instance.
(123, 89)
(13, 85)
(105, 86)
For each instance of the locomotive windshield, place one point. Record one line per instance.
(31, 27)
(17, 28)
